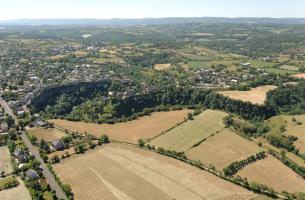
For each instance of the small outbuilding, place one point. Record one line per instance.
(58, 144)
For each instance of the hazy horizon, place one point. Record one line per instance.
(132, 9)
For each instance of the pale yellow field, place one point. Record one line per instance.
(57, 57)
(17, 193)
(275, 174)
(5, 160)
(142, 128)
(79, 53)
(300, 76)
(255, 95)
(120, 172)
(289, 67)
(161, 67)
(183, 137)
(222, 149)
(46, 134)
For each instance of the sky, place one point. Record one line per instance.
(28, 9)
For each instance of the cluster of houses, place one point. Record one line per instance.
(22, 157)
(212, 78)
(54, 73)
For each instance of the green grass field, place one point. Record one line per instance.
(192, 132)
(263, 64)
(279, 71)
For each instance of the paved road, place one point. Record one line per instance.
(7, 108)
(46, 172)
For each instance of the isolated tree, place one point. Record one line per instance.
(141, 143)
(190, 116)
(228, 120)
(104, 139)
(55, 159)
(67, 189)
(91, 144)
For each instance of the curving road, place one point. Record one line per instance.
(33, 150)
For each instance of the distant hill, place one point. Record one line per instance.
(150, 21)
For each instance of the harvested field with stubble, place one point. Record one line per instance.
(5, 160)
(255, 95)
(46, 134)
(116, 172)
(222, 149)
(275, 174)
(185, 136)
(160, 67)
(17, 193)
(142, 128)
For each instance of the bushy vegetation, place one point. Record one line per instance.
(282, 141)
(245, 127)
(8, 182)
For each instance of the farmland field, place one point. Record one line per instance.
(259, 63)
(222, 149)
(273, 173)
(46, 134)
(266, 145)
(301, 76)
(183, 137)
(255, 95)
(17, 193)
(118, 171)
(144, 127)
(5, 160)
(161, 67)
(289, 67)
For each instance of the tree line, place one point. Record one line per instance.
(115, 108)
(235, 166)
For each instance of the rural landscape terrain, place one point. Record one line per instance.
(153, 109)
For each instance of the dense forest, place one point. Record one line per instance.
(79, 105)
(62, 95)
(288, 99)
